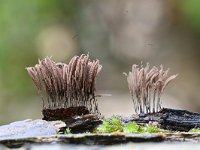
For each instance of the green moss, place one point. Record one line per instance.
(133, 127)
(152, 129)
(115, 125)
(195, 130)
(68, 131)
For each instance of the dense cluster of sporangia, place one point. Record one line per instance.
(146, 87)
(64, 85)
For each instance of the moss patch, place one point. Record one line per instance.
(195, 130)
(115, 125)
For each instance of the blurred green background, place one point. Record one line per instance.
(117, 32)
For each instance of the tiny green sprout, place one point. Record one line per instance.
(152, 129)
(68, 131)
(133, 127)
(195, 130)
(115, 125)
(117, 122)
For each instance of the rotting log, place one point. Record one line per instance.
(86, 139)
(179, 120)
(170, 119)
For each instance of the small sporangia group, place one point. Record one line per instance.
(69, 88)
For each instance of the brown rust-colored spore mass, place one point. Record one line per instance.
(65, 86)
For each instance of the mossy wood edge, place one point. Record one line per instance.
(104, 139)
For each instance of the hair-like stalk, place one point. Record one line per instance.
(64, 85)
(146, 87)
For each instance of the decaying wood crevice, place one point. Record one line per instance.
(82, 124)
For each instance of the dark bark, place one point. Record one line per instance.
(171, 119)
(64, 113)
(81, 124)
(179, 120)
